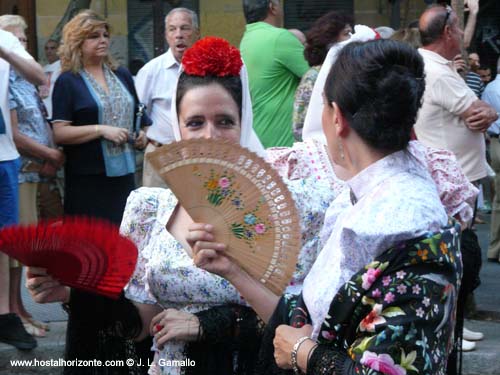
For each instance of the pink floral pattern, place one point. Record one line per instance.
(382, 363)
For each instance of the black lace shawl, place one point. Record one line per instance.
(229, 342)
(102, 329)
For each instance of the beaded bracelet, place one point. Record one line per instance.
(295, 349)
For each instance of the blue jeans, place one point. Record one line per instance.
(9, 192)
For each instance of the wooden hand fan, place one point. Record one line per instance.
(223, 184)
(84, 253)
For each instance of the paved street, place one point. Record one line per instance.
(483, 361)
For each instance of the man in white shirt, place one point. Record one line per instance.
(12, 53)
(491, 95)
(156, 80)
(52, 71)
(452, 118)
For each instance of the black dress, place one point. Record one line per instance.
(88, 191)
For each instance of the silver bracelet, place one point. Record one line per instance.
(295, 349)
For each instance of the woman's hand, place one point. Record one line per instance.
(116, 135)
(141, 141)
(459, 63)
(43, 288)
(210, 255)
(172, 324)
(284, 340)
(56, 158)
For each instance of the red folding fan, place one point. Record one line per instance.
(83, 253)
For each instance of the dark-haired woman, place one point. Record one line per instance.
(380, 298)
(327, 30)
(167, 289)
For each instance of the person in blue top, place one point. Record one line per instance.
(94, 119)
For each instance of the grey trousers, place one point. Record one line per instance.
(494, 246)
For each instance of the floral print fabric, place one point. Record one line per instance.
(306, 170)
(457, 194)
(302, 98)
(165, 274)
(396, 201)
(397, 314)
(24, 98)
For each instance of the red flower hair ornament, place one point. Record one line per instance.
(212, 56)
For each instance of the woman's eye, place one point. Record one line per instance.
(194, 124)
(227, 122)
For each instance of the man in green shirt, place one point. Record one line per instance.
(275, 61)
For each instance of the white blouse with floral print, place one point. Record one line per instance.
(165, 273)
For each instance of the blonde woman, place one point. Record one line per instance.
(94, 109)
(94, 103)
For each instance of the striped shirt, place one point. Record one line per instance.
(473, 80)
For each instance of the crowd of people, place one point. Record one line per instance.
(382, 144)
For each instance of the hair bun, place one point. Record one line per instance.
(398, 91)
(212, 56)
(394, 108)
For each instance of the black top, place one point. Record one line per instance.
(72, 101)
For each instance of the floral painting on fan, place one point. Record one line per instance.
(220, 187)
(252, 226)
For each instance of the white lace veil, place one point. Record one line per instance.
(312, 123)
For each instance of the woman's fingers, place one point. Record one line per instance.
(204, 245)
(35, 271)
(196, 236)
(177, 325)
(43, 296)
(200, 227)
(155, 323)
(122, 135)
(205, 257)
(34, 283)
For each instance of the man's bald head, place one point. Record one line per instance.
(432, 23)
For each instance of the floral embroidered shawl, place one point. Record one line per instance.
(395, 316)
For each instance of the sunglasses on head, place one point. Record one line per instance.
(448, 13)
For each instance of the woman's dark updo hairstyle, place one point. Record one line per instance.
(231, 83)
(378, 86)
(323, 32)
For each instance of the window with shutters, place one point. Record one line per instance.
(300, 14)
(146, 27)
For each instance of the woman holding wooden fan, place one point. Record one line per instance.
(212, 101)
(380, 297)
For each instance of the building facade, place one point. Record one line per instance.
(138, 25)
